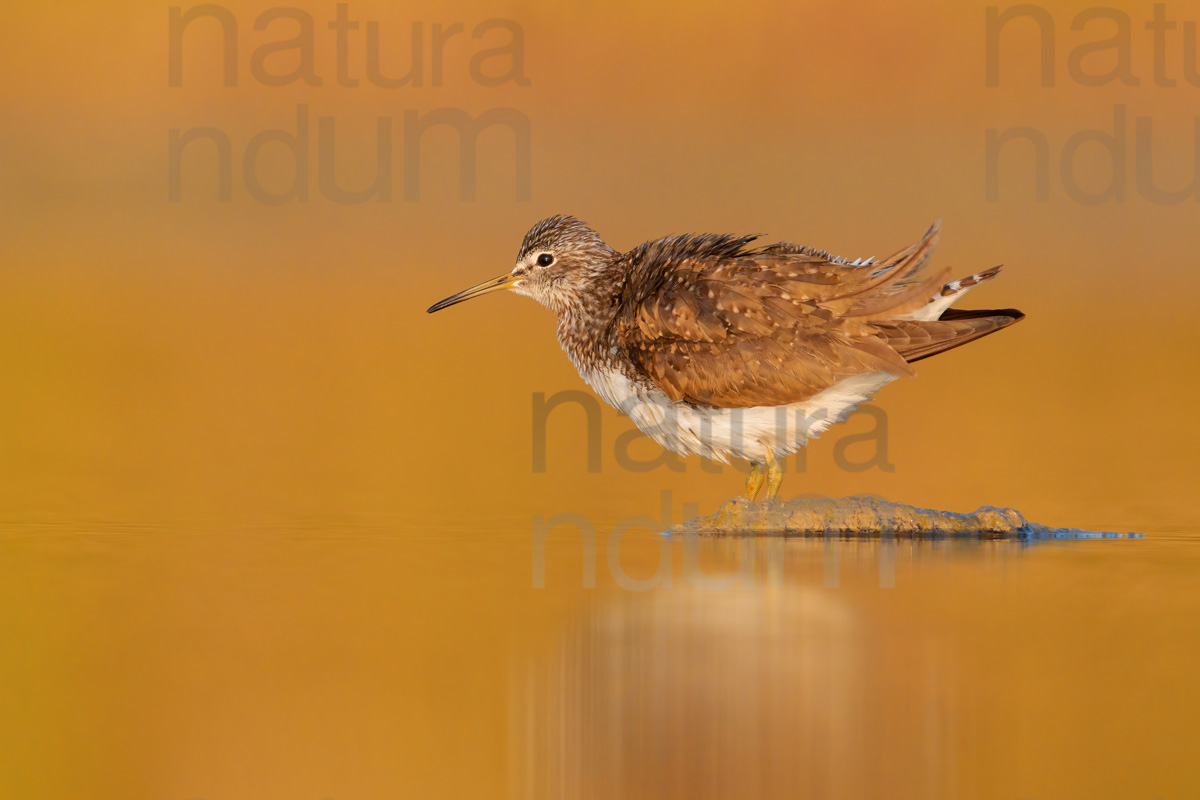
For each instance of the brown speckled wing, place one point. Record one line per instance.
(714, 324)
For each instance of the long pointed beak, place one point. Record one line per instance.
(496, 284)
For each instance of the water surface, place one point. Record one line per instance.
(371, 661)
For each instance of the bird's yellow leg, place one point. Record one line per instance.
(774, 476)
(755, 480)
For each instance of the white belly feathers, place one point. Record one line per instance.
(723, 433)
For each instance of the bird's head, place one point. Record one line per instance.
(561, 259)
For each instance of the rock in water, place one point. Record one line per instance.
(869, 515)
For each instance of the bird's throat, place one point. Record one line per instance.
(585, 323)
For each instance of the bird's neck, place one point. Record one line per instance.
(585, 321)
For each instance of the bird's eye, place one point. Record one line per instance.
(545, 260)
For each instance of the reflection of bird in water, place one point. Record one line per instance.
(715, 347)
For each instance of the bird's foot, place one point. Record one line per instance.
(774, 477)
(742, 514)
(754, 480)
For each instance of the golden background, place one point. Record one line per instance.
(267, 523)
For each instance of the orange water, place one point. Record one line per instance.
(351, 662)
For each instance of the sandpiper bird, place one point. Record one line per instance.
(715, 347)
